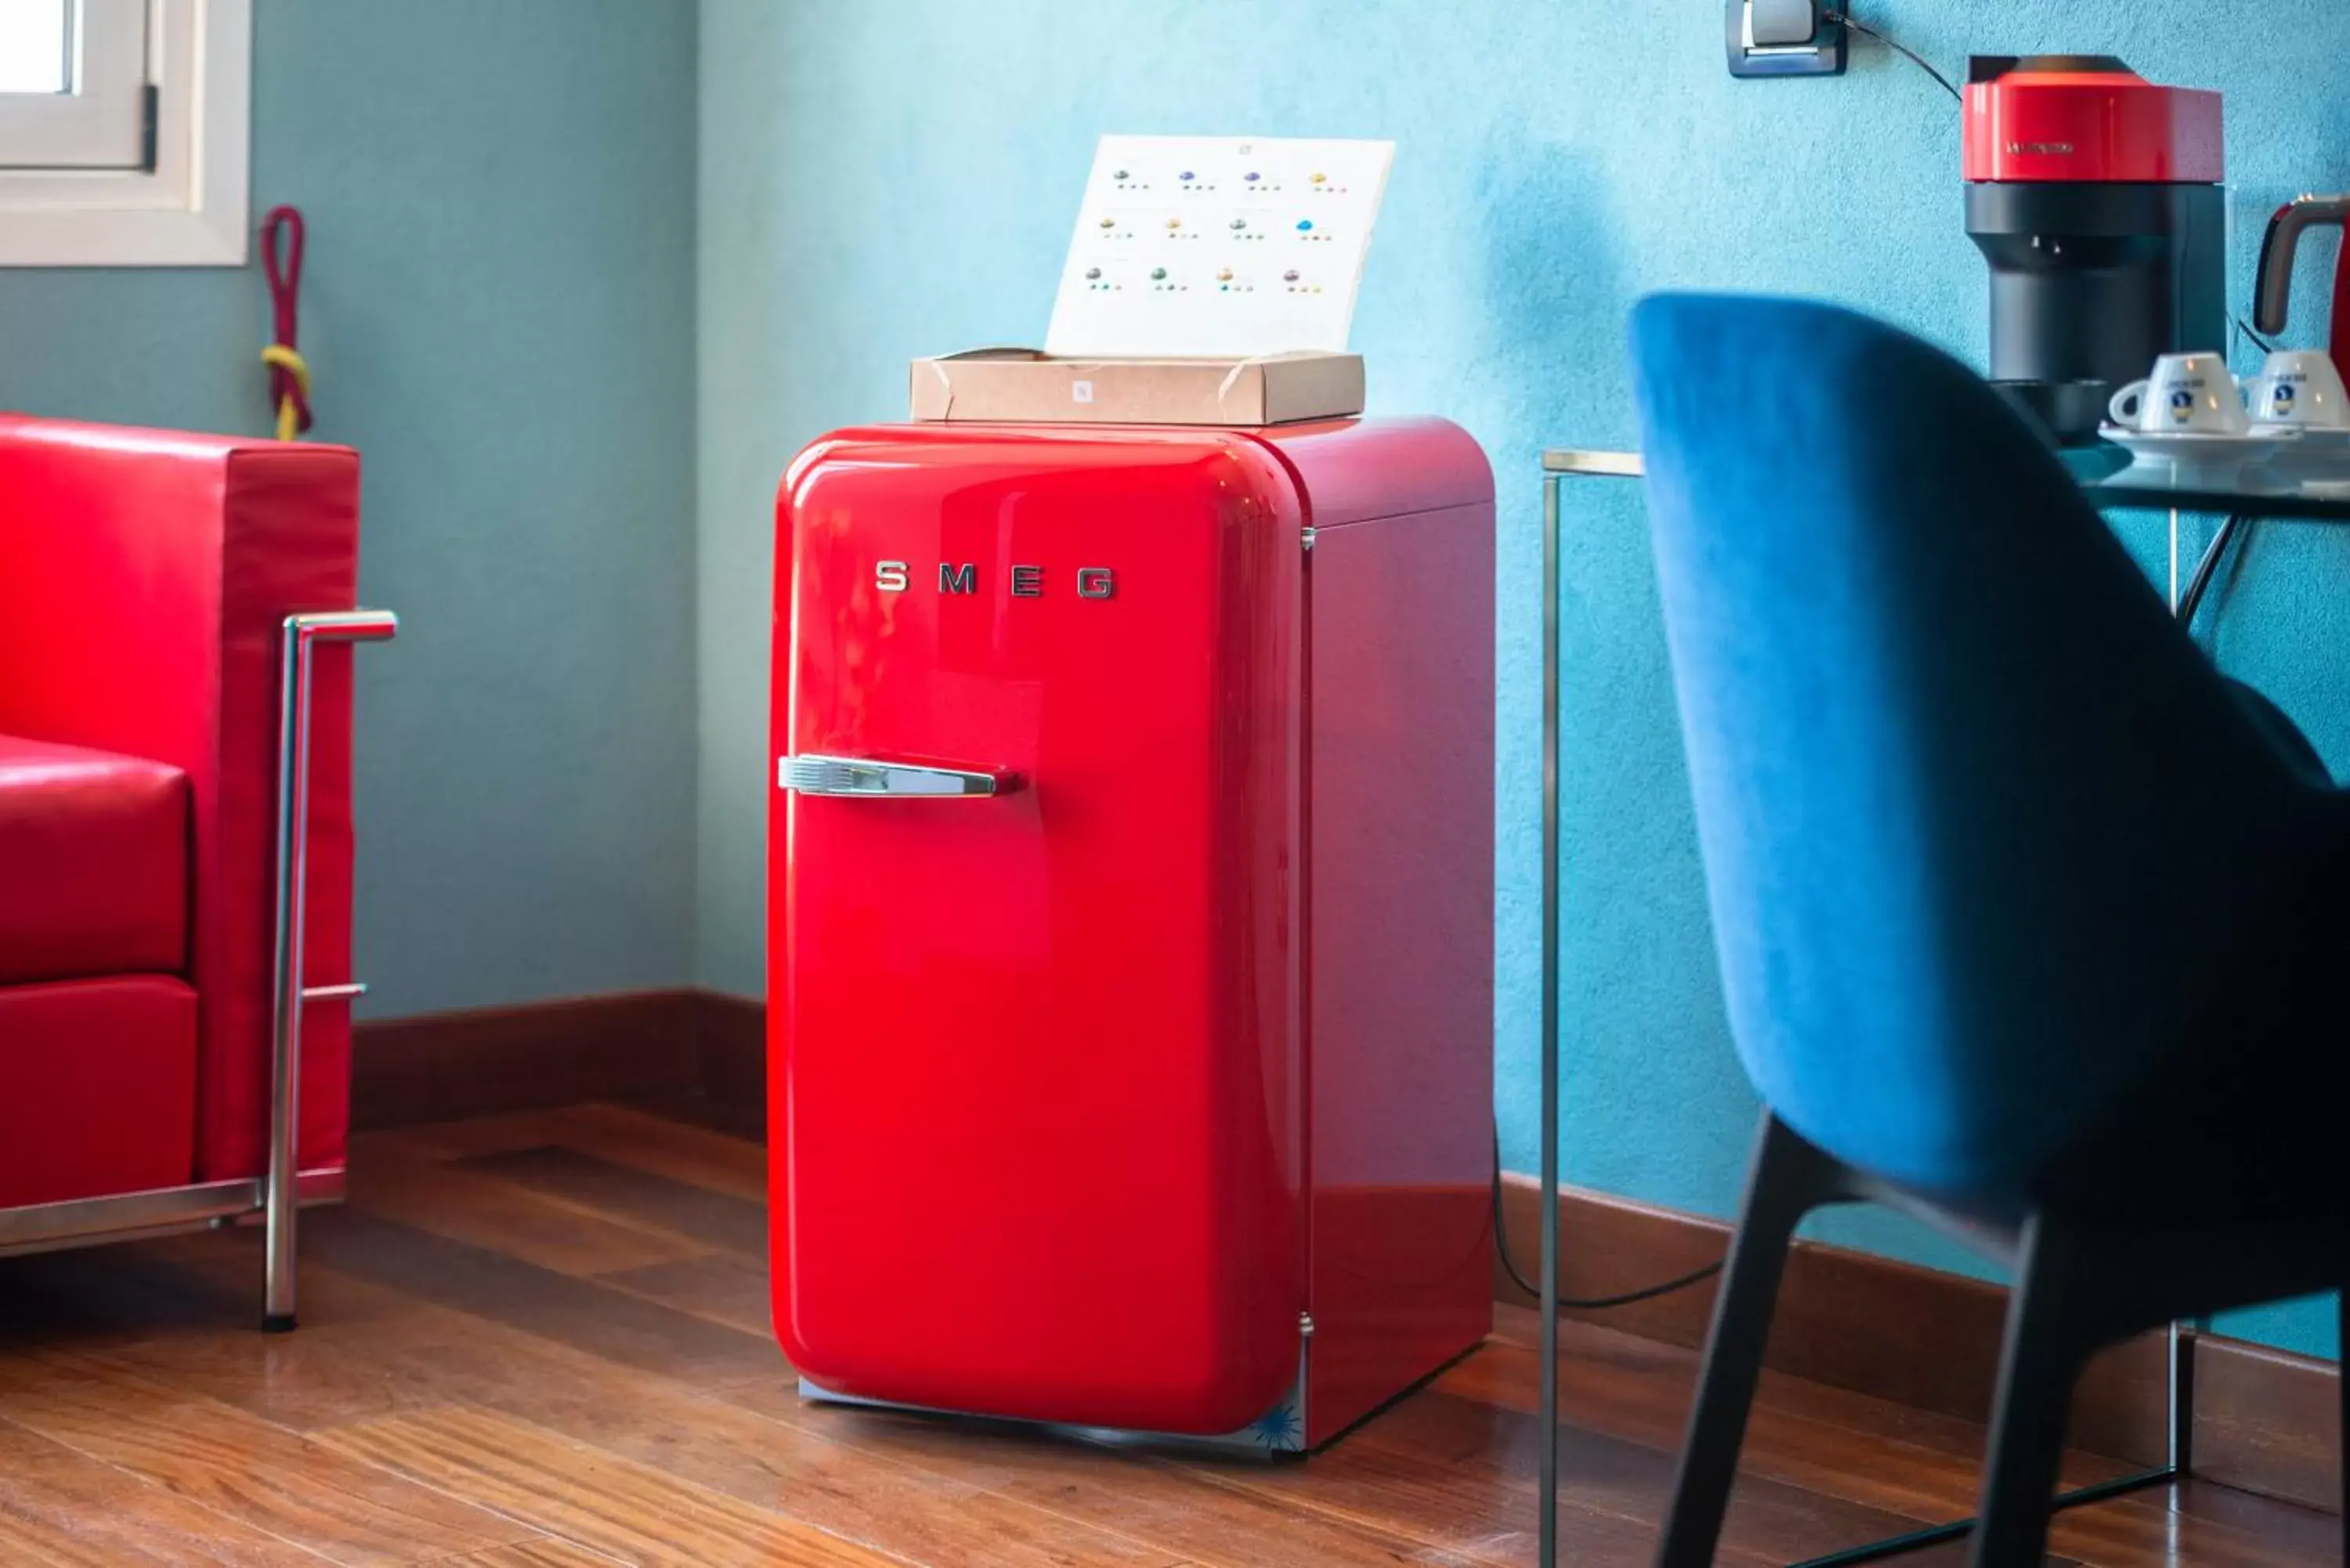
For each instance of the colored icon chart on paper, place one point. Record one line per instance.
(1216, 246)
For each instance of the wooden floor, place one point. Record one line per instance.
(541, 1341)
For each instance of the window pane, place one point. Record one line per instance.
(33, 46)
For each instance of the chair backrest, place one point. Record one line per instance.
(1980, 822)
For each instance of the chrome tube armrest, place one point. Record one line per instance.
(303, 633)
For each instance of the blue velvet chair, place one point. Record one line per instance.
(2029, 923)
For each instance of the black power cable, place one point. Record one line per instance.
(1902, 49)
(2193, 597)
(1588, 1304)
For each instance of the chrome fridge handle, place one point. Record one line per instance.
(861, 778)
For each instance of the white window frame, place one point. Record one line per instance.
(192, 208)
(98, 121)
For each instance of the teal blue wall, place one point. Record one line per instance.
(886, 180)
(499, 310)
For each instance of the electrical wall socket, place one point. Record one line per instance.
(1821, 55)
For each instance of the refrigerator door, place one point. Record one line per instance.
(1035, 1064)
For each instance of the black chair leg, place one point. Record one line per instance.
(2042, 1354)
(1789, 1178)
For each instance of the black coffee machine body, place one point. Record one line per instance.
(2095, 197)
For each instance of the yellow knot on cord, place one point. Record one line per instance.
(290, 374)
(280, 356)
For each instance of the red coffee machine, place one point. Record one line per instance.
(2095, 197)
(1130, 940)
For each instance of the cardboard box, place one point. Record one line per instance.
(1025, 387)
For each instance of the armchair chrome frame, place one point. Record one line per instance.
(272, 1197)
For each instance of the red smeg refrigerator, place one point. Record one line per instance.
(1132, 921)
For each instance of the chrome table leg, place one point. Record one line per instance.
(1548, 1534)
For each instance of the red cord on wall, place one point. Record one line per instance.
(2338, 343)
(289, 376)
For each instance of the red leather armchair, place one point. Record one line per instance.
(160, 599)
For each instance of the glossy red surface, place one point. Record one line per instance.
(1401, 923)
(1038, 1104)
(93, 863)
(2339, 329)
(1352, 471)
(2092, 125)
(143, 578)
(97, 1081)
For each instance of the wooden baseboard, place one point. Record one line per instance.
(2269, 1421)
(2264, 1421)
(731, 1039)
(538, 1056)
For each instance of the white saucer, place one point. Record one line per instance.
(2319, 454)
(2202, 460)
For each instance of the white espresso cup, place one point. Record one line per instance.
(2188, 393)
(2299, 389)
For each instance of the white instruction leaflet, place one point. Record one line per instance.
(1197, 247)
